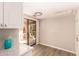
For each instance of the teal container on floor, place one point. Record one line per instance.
(7, 43)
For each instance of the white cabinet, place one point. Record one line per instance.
(77, 33)
(12, 15)
(1, 14)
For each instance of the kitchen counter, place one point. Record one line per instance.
(8, 52)
(25, 50)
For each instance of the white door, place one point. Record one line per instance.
(12, 14)
(1, 14)
(77, 32)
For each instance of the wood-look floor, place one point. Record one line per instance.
(41, 50)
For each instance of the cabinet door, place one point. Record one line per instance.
(12, 14)
(1, 14)
(77, 33)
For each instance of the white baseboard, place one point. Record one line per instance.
(58, 48)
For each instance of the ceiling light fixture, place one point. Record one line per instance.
(37, 14)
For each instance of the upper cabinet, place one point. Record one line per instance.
(12, 14)
(1, 14)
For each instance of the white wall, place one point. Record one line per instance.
(58, 32)
(15, 47)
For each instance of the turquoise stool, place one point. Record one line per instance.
(7, 43)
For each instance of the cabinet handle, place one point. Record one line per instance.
(5, 25)
(1, 25)
(77, 39)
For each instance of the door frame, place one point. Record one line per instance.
(37, 26)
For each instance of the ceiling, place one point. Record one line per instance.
(48, 9)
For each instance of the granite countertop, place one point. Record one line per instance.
(23, 49)
(9, 52)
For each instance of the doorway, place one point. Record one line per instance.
(28, 33)
(31, 33)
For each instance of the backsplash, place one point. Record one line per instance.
(5, 33)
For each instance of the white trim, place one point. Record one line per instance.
(58, 48)
(37, 32)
